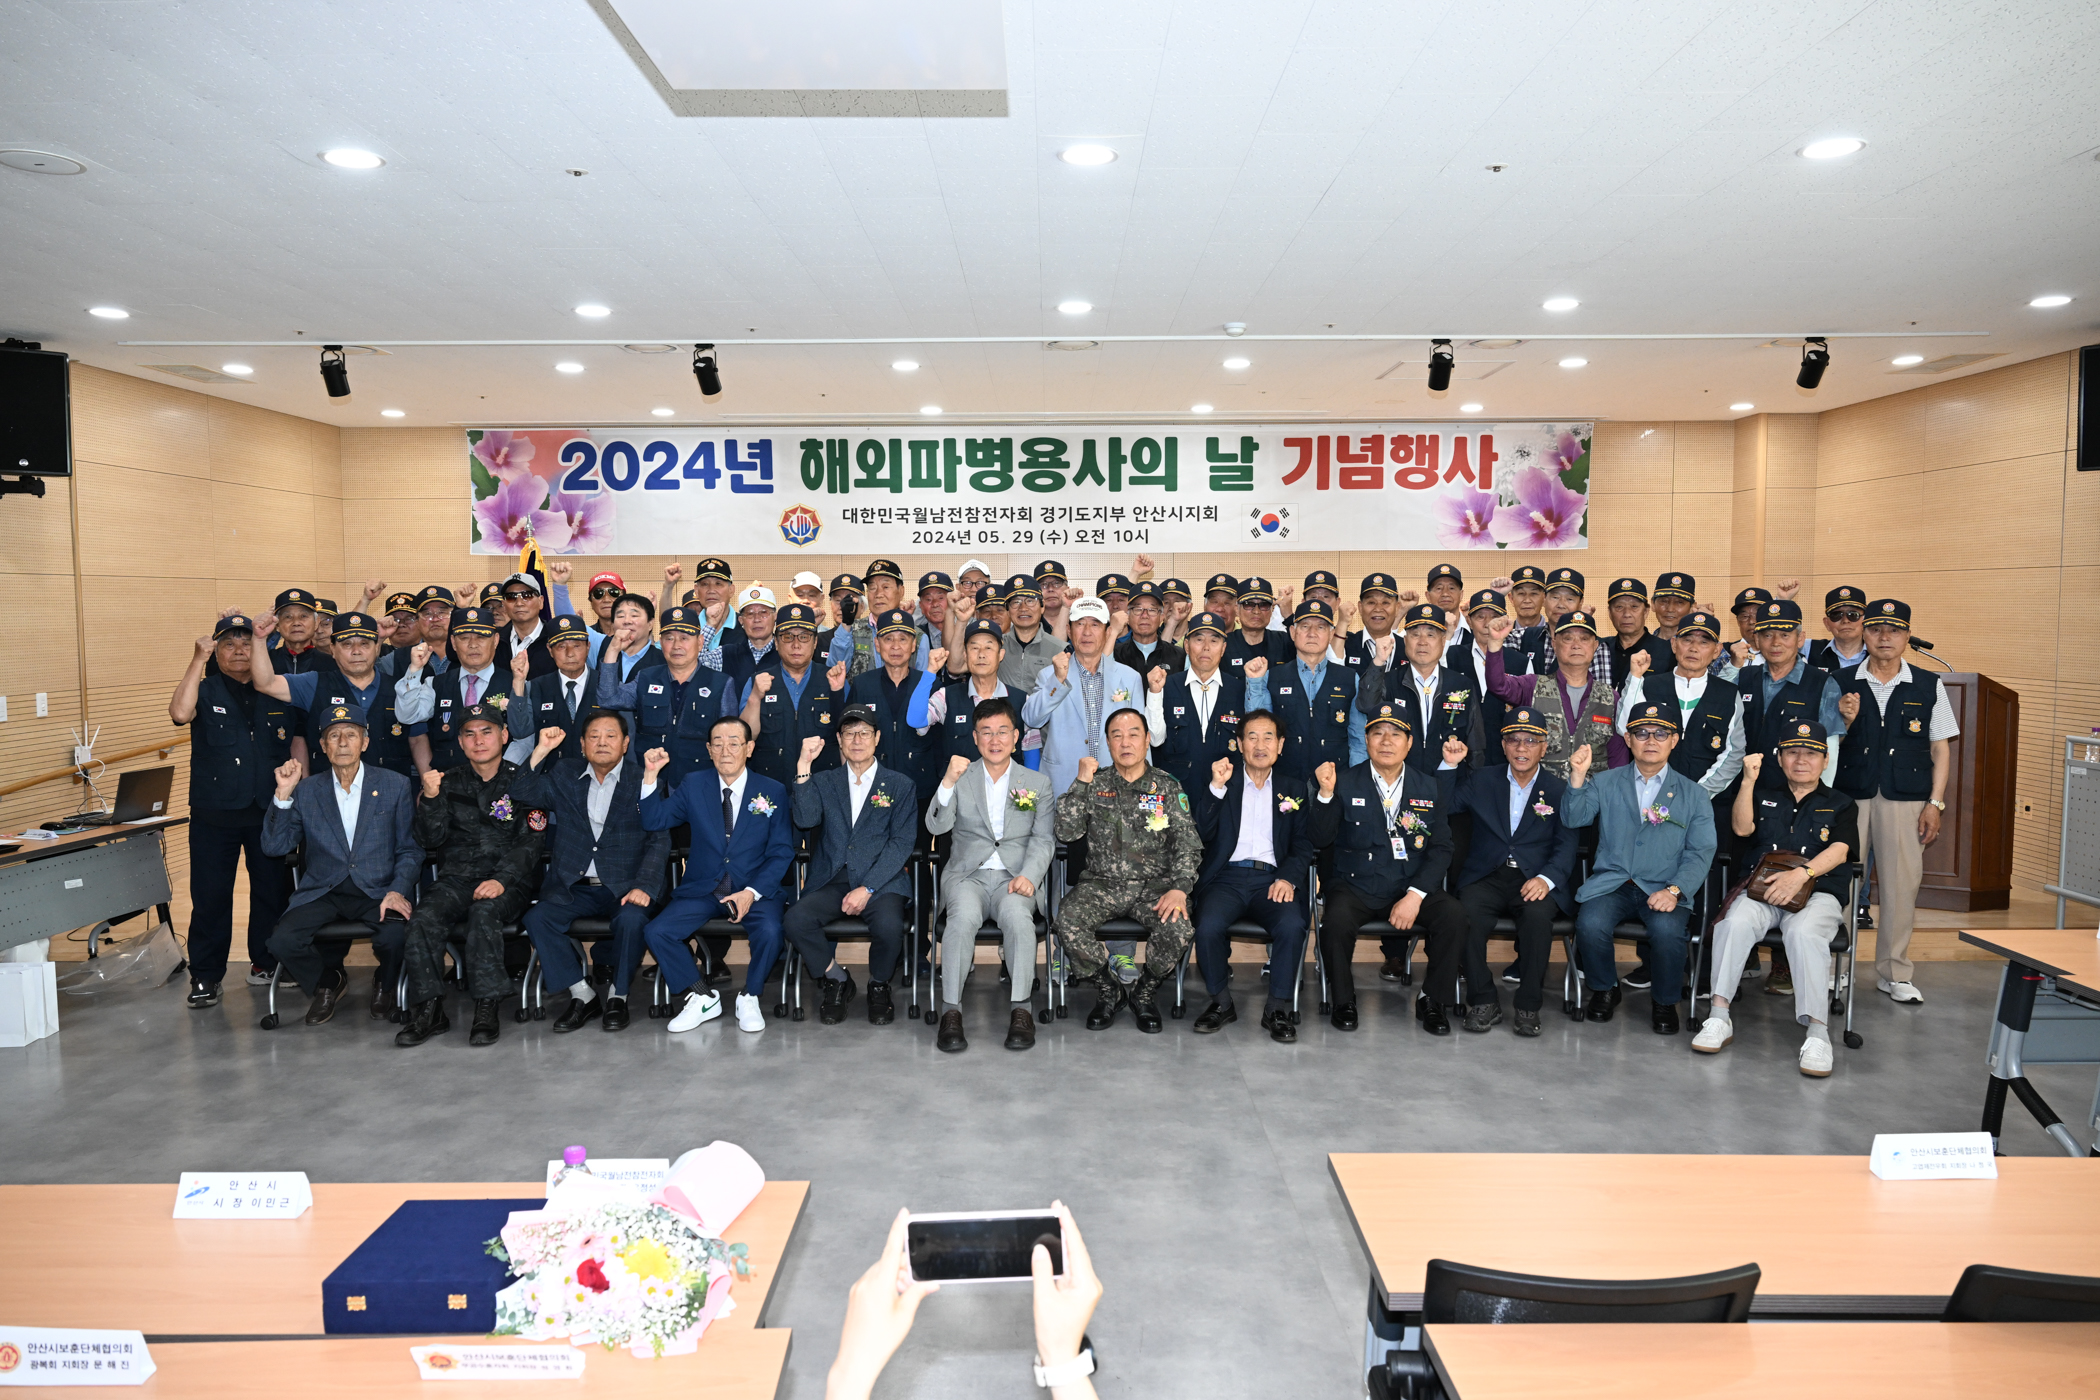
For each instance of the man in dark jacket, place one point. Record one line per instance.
(488, 856)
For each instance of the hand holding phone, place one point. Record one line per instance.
(986, 1246)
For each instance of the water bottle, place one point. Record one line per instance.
(573, 1163)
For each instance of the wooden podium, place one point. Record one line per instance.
(1970, 866)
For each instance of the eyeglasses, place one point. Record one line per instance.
(518, 597)
(605, 590)
(726, 743)
(1847, 615)
(1651, 732)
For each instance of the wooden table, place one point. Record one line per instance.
(111, 1256)
(744, 1364)
(1833, 1240)
(2055, 1030)
(1858, 1360)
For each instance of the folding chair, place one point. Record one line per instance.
(1844, 948)
(850, 928)
(988, 935)
(1247, 931)
(334, 931)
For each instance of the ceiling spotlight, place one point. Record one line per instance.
(391, 413)
(1832, 148)
(932, 410)
(1469, 408)
(1815, 358)
(1741, 407)
(1573, 362)
(110, 313)
(1238, 362)
(1902, 360)
(334, 372)
(1075, 308)
(707, 371)
(1441, 363)
(568, 367)
(2043, 302)
(350, 158)
(904, 366)
(1560, 303)
(663, 412)
(593, 310)
(236, 369)
(1086, 155)
(1199, 408)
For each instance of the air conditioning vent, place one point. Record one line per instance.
(1947, 362)
(200, 374)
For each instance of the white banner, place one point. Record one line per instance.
(882, 490)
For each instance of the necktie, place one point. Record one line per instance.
(728, 811)
(571, 688)
(473, 684)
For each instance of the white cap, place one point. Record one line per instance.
(978, 564)
(756, 595)
(521, 577)
(806, 579)
(1088, 607)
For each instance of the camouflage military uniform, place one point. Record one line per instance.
(1141, 843)
(476, 834)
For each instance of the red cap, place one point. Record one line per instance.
(614, 579)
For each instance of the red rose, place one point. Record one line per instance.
(592, 1277)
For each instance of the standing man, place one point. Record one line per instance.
(1527, 601)
(432, 707)
(751, 646)
(240, 738)
(1749, 605)
(935, 589)
(782, 706)
(951, 709)
(402, 626)
(526, 636)
(1564, 590)
(298, 630)
(605, 866)
(1655, 841)
(972, 578)
(1197, 712)
(1056, 592)
(1257, 865)
(357, 826)
(991, 606)
(487, 847)
(1439, 700)
(851, 636)
(1894, 764)
(1076, 693)
(1029, 644)
(1375, 651)
(1221, 595)
(1845, 619)
(434, 629)
(1674, 596)
(1710, 740)
(1578, 709)
(1003, 820)
(605, 589)
(714, 621)
(356, 681)
(1628, 605)
(677, 703)
(1145, 647)
(561, 698)
(1255, 638)
(886, 695)
(1313, 699)
(866, 817)
(1781, 690)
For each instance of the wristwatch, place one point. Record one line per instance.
(1674, 892)
(1937, 803)
(1077, 1369)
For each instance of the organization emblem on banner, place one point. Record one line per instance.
(799, 526)
(1269, 523)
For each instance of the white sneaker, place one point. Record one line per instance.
(699, 1007)
(258, 975)
(1714, 1036)
(1815, 1058)
(748, 1016)
(1900, 991)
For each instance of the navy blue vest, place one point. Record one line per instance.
(233, 754)
(682, 732)
(1315, 726)
(1888, 755)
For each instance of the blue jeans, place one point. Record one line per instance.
(1668, 936)
(686, 915)
(1244, 894)
(547, 924)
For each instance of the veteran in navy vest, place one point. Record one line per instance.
(677, 703)
(1710, 744)
(1781, 690)
(950, 709)
(562, 697)
(1313, 697)
(1255, 608)
(790, 698)
(911, 749)
(1434, 691)
(1196, 711)
(357, 681)
(433, 705)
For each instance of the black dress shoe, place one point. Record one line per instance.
(1527, 1024)
(577, 1015)
(1509, 976)
(382, 996)
(322, 1008)
(717, 975)
(950, 1037)
(1020, 1030)
(425, 1021)
(1109, 996)
(1601, 1004)
(1277, 1022)
(1664, 1019)
(1343, 1017)
(1392, 970)
(1435, 1020)
(1640, 979)
(1144, 1004)
(837, 992)
(616, 1015)
(1216, 1018)
(487, 1024)
(882, 1007)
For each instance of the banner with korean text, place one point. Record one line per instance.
(883, 490)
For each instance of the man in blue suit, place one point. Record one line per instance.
(1257, 858)
(604, 865)
(866, 817)
(358, 825)
(1520, 863)
(1655, 839)
(743, 843)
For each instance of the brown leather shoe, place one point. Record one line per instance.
(382, 997)
(950, 1036)
(323, 1006)
(1020, 1030)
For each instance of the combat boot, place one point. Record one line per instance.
(487, 1024)
(426, 1020)
(1109, 996)
(1144, 1004)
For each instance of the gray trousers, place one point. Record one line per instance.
(1807, 937)
(965, 902)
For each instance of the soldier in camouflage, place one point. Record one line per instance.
(488, 857)
(1142, 857)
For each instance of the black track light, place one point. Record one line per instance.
(705, 370)
(334, 372)
(1441, 363)
(1815, 358)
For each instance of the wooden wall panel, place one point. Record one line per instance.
(1866, 441)
(2021, 410)
(36, 532)
(263, 533)
(1704, 457)
(255, 447)
(140, 423)
(129, 519)
(1632, 459)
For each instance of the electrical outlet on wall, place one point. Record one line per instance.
(43, 705)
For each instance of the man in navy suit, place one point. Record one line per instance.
(1257, 855)
(1197, 710)
(743, 843)
(604, 865)
(866, 817)
(358, 825)
(560, 698)
(1521, 863)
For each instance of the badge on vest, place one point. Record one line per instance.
(656, 690)
(397, 731)
(1341, 716)
(444, 704)
(221, 709)
(1717, 741)
(1284, 690)
(280, 733)
(1917, 726)
(824, 717)
(705, 691)
(1356, 802)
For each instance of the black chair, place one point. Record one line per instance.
(334, 931)
(1247, 931)
(1844, 945)
(850, 928)
(1463, 1293)
(989, 934)
(659, 990)
(1990, 1293)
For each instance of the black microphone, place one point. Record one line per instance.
(1921, 644)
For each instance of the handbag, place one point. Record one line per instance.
(1771, 864)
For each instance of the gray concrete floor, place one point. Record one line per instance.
(1197, 1166)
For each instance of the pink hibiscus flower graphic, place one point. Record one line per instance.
(512, 517)
(589, 520)
(507, 455)
(1547, 515)
(1462, 519)
(1565, 453)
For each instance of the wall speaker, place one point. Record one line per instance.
(36, 416)
(2089, 409)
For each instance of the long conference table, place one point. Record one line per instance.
(233, 1307)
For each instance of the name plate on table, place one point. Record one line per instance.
(243, 1196)
(498, 1363)
(72, 1356)
(645, 1172)
(1933, 1157)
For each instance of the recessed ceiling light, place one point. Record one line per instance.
(1741, 407)
(1908, 360)
(1086, 155)
(593, 310)
(236, 369)
(663, 412)
(1199, 408)
(1573, 362)
(110, 313)
(1833, 147)
(2043, 302)
(904, 366)
(1560, 303)
(1238, 362)
(1075, 308)
(569, 367)
(932, 410)
(391, 413)
(1469, 408)
(350, 158)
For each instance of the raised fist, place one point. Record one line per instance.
(835, 678)
(1739, 653)
(1088, 766)
(1256, 668)
(1118, 622)
(1752, 763)
(963, 606)
(1579, 762)
(1156, 679)
(204, 646)
(433, 780)
(1455, 751)
(1345, 615)
(265, 622)
(549, 740)
(936, 659)
(1221, 772)
(762, 684)
(419, 656)
(1848, 706)
(1638, 666)
(673, 571)
(1502, 583)
(957, 766)
(1062, 665)
(1787, 587)
(1284, 595)
(467, 593)
(1324, 776)
(1498, 630)
(385, 628)
(288, 775)
(654, 761)
(1142, 566)
(373, 588)
(1409, 597)
(812, 750)
(520, 669)
(559, 570)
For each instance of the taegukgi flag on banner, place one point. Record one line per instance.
(884, 490)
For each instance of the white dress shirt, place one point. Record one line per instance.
(598, 802)
(858, 787)
(1426, 689)
(997, 792)
(1202, 694)
(1257, 838)
(346, 803)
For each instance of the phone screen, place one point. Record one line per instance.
(958, 1251)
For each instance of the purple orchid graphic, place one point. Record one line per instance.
(1462, 519)
(512, 517)
(507, 455)
(1547, 515)
(589, 520)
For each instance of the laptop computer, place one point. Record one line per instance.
(142, 795)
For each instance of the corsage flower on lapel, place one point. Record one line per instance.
(1659, 815)
(1456, 701)
(500, 808)
(1412, 823)
(1288, 804)
(762, 805)
(1024, 799)
(1120, 696)
(879, 798)
(1542, 807)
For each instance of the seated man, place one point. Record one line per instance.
(1655, 840)
(1520, 864)
(1002, 816)
(487, 846)
(1802, 816)
(1142, 854)
(604, 866)
(357, 825)
(866, 817)
(1391, 847)
(1257, 856)
(743, 843)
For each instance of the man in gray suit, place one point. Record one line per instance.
(866, 818)
(1004, 820)
(362, 857)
